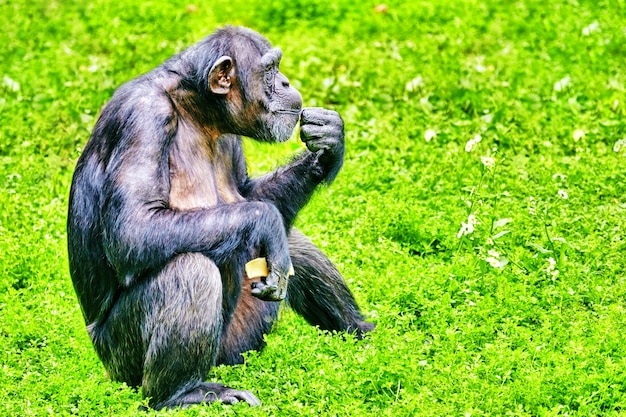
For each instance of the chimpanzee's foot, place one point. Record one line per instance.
(363, 327)
(208, 392)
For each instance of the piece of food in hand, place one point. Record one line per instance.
(257, 268)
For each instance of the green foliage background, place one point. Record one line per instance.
(541, 82)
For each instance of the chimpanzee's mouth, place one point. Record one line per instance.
(287, 111)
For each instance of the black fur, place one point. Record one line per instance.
(163, 217)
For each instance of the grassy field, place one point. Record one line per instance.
(480, 218)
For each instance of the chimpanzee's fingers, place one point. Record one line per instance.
(314, 132)
(316, 145)
(233, 396)
(264, 291)
(272, 288)
(319, 116)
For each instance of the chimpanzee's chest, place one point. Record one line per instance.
(200, 175)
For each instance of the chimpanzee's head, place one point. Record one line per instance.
(260, 102)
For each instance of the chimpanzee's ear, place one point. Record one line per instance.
(219, 75)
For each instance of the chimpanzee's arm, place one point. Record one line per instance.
(290, 187)
(142, 233)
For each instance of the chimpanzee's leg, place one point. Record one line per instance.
(164, 334)
(318, 292)
(250, 322)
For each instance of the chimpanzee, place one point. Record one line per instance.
(163, 217)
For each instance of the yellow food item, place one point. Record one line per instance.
(257, 268)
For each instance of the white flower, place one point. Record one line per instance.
(532, 206)
(429, 134)
(578, 134)
(494, 262)
(551, 269)
(414, 84)
(472, 142)
(488, 161)
(487, 117)
(11, 84)
(562, 84)
(563, 194)
(467, 227)
(559, 176)
(594, 27)
(618, 145)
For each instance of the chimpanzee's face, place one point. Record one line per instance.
(279, 104)
(260, 103)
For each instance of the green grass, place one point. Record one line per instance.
(542, 83)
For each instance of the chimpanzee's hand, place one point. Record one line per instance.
(274, 286)
(322, 132)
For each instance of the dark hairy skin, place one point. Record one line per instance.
(163, 217)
